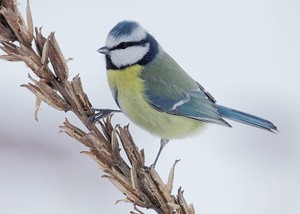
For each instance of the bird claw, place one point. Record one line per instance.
(101, 113)
(147, 169)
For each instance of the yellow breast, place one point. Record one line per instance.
(130, 96)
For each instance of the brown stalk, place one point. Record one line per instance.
(141, 185)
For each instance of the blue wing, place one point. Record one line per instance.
(200, 105)
(169, 89)
(194, 103)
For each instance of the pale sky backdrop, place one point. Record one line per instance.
(245, 53)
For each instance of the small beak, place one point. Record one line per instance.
(103, 50)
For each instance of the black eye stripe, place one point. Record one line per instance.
(124, 45)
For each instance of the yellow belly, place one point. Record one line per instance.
(131, 100)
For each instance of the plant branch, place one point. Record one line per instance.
(142, 186)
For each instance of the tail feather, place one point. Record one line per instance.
(246, 118)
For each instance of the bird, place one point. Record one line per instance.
(155, 93)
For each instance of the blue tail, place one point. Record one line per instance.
(246, 118)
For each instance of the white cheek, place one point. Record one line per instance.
(128, 56)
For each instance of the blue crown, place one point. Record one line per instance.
(123, 28)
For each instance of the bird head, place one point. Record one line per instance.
(128, 43)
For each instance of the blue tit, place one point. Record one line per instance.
(155, 93)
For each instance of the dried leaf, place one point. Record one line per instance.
(35, 90)
(101, 145)
(45, 93)
(142, 156)
(12, 58)
(171, 178)
(44, 58)
(174, 206)
(130, 148)
(37, 105)
(57, 59)
(182, 201)
(29, 21)
(12, 4)
(192, 209)
(107, 127)
(15, 21)
(134, 177)
(6, 35)
(33, 61)
(122, 200)
(39, 40)
(56, 100)
(162, 188)
(82, 97)
(114, 142)
(73, 131)
(9, 48)
(155, 192)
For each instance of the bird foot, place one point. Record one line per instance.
(101, 113)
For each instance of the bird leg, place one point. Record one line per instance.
(163, 142)
(102, 113)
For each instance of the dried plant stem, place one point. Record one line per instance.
(141, 186)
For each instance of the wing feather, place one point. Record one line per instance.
(170, 89)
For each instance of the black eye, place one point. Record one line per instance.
(123, 45)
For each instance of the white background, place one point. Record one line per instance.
(245, 53)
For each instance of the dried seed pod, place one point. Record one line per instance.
(57, 59)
